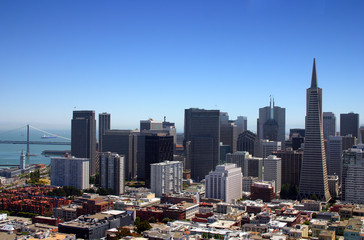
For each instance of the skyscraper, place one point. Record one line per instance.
(313, 180)
(83, 137)
(104, 125)
(329, 124)
(247, 141)
(349, 124)
(334, 156)
(272, 123)
(291, 166)
(241, 124)
(150, 124)
(122, 142)
(273, 171)
(152, 148)
(202, 135)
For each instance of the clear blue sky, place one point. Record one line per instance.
(141, 59)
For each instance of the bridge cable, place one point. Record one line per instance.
(49, 133)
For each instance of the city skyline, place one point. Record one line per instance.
(166, 57)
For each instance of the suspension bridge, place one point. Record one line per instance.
(28, 142)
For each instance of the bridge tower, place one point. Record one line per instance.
(28, 152)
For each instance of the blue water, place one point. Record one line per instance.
(10, 153)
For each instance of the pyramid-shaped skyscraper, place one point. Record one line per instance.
(313, 180)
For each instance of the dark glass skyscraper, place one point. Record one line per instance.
(83, 137)
(202, 136)
(349, 124)
(247, 141)
(124, 143)
(104, 125)
(313, 180)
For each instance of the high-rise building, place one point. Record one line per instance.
(300, 131)
(248, 141)
(122, 142)
(224, 183)
(238, 158)
(202, 134)
(166, 177)
(272, 123)
(349, 124)
(314, 172)
(83, 137)
(353, 175)
(241, 124)
(228, 135)
(253, 167)
(329, 124)
(291, 166)
(273, 171)
(348, 142)
(112, 172)
(267, 147)
(70, 171)
(150, 124)
(333, 185)
(334, 156)
(104, 125)
(248, 182)
(361, 133)
(297, 141)
(153, 148)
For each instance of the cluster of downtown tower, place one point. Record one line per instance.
(208, 137)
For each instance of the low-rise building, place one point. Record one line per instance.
(95, 226)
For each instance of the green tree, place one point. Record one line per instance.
(137, 221)
(143, 226)
(166, 220)
(152, 220)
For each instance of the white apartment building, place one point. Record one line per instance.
(273, 171)
(70, 171)
(224, 183)
(166, 177)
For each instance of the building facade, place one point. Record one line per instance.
(273, 171)
(112, 172)
(166, 177)
(224, 183)
(349, 124)
(329, 124)
(334, 156)
(122, 142)
(202, 138)
(272, 123)
(241, 124)
(83, 137)
(313, 180)
(104, 125)
(247, 141)
(70, 171)
(291, 166)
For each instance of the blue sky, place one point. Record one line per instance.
(141, 59)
